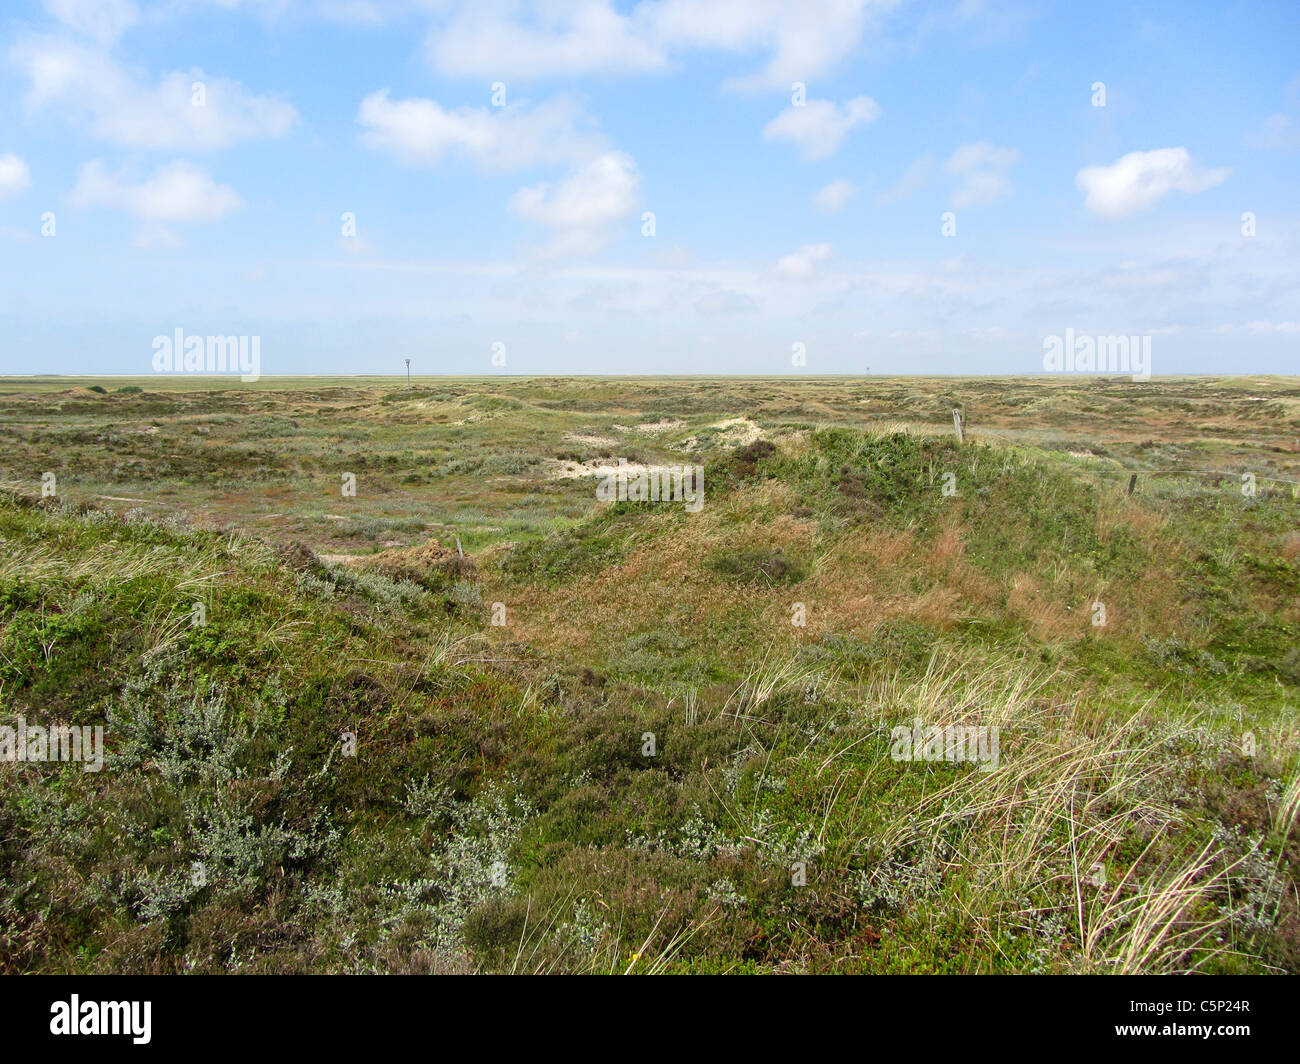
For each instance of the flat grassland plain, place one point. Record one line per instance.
(471, 718)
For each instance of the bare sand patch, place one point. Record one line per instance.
(732, 432)
(590, 440)
(651, 428)
(563, 469)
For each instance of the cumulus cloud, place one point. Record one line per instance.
(90, 88)
(802, 41)
(982, 170)
(498, 140)
(802, 264)
(1279, 131)
(14, 175)
(819, 127)
(176, 192)
(916, 175)
(725, 303)
(497, 40)
(504, 39)
(833, 197)
(101, 20)
(585, 208)
(1286, 328)
(1142, 178)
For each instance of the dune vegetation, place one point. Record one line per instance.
(472, 719)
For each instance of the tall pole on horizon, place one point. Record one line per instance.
(408, 372)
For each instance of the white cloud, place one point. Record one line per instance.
(916, 175)
(354, 245)
(502, 40)
(803, 40)
(802, 264)
(725, 302)
(983, 172)
(1277, 131)
(14, 175)
(585, 208)
(981, 156)
(1287, 328)
(101, 20)
(672, 255)
(498, 140)
(346, 12)
(833, 197)
(151, 237)
(90, 88)
(1173, 274)
(1280, 131)
(979, 23)
(819, 127)
(176, 192)
(1142, 178)
(491, 40)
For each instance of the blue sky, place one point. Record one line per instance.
(781, 216)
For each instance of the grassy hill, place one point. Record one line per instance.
(648, 767)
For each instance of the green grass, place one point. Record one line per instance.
(502, 811)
